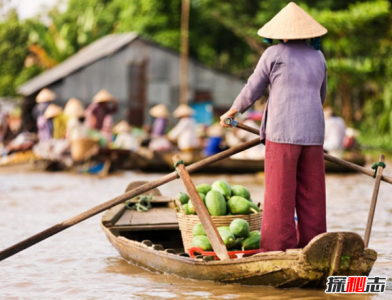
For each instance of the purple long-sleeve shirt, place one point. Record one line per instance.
(159, 127)
(297, 76)
(98, 112)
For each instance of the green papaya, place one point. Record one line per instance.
(198, 229)
(202, 242)
(239, 190)
(191, 208)
(183, 197)
(239, 227)
(239, 206)
(252, 241)
(254, 232)
(227, 237)
(215, 203)
(203, 188)
(186, 209)
(237, 244)
(222, 187)
(224, 228)
(203, 197)
(254, 208)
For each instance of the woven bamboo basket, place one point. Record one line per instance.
(82, 149)
(187, 222)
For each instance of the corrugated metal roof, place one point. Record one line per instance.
(101, 48)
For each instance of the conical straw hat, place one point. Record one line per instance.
(74, 108)
(183, 111)
(52, 111)
(159, 111)
(45, 95)
(215, 130)
(103, 96)
(292, 23)
(122, 126)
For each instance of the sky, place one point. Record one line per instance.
(30, 8)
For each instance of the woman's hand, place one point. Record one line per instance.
(229, 114)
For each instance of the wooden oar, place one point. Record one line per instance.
(327, 157)
(369, 224)
(201, 210)
(128, 195)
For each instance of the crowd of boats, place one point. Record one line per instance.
(87, 139)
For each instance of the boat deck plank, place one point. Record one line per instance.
(155, 216)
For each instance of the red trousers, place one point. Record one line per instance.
(294, 182)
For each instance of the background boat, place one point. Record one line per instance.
(161, 161)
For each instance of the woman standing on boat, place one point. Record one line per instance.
(292, 128)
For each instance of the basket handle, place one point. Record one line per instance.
(179, 205)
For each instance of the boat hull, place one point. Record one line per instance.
(293, 268)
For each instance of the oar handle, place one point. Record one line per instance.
(231, 122)
(234, 123)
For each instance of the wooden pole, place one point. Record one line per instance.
(327, 157)
(12, 250)
(185, 8)
(202, 212)
(374, 202)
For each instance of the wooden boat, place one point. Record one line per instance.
(152, 240)
(154, 161)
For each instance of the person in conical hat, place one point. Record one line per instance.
(335, 132)
(43, 100)
(124, 138)
(74, 111)
(293, 129)
(52, 111)
(103, 104)
(45, 95)
(55, 113)
(185, 132)
(122, 127)
(215, 142)
(74, 108)
(183, 111)
(161, 114)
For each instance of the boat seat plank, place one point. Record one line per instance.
(154, 216)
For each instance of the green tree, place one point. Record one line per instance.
(13, 52)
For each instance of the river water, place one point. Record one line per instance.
(79, 263)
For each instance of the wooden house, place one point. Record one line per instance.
(138, 72)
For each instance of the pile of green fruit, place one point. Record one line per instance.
(221, 199)
(236, 237)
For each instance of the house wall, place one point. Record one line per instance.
(162, 84)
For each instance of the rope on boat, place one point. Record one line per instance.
(143, 205)
(376, 165)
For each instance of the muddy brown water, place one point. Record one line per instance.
(79, 263)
